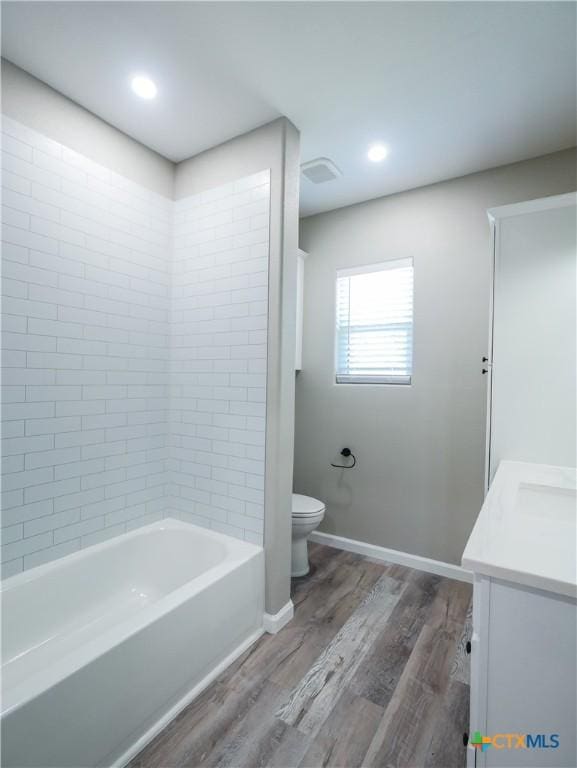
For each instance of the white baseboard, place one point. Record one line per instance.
(273, 623)
(162, 722)
(438, 567)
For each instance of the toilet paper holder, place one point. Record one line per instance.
(347, 453)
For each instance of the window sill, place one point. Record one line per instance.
(376, 380)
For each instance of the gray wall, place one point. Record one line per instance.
(33, 103)
(419, 482)
(274, 146)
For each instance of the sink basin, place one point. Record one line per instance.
(526, 531)
(546, 502)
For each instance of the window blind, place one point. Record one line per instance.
(374, 324)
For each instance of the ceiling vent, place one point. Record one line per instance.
(320, 169)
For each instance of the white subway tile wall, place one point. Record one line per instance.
(133, 353)
(218, 357)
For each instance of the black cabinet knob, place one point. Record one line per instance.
(468, 646)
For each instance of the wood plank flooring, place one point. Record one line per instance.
(372, 671)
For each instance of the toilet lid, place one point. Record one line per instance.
(305, 506)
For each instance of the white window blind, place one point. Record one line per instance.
(375, 324)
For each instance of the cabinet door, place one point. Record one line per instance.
(479, 662)
(531, 673)
(534, 339)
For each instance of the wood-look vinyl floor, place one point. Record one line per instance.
(372, 671)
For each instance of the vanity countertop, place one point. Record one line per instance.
(526, 531)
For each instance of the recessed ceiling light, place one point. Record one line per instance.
(377, 152)
(143, 87)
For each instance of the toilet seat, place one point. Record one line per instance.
(306, 506)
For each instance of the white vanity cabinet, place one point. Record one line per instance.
(523, 547)
(522, 552)
(523, 675)
(301, 258)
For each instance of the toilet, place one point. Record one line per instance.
(307, 514)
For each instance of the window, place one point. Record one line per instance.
(375, 324)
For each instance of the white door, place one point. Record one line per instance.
(533, 410)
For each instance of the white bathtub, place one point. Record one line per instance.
(103, 647)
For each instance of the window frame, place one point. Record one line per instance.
(377, 380)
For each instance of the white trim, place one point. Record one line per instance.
(273, 623)
(438, 567)
(360, 378)
(530, 206)
(495, 227)
(163, 721)
(380, 266)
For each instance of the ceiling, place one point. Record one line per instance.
(450, 88)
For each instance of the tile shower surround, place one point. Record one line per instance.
(134, 353)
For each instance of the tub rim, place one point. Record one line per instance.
(166, 523)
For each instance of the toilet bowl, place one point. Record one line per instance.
(307, 514)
